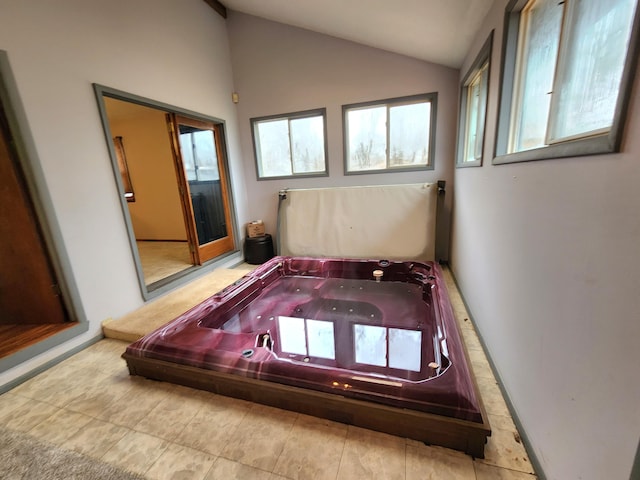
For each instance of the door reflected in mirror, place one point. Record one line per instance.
(198, 150)
(181, 216)
(197, 154)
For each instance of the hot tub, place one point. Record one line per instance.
(365, 342)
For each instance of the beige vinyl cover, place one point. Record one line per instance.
(394, 222)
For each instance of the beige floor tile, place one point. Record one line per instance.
(480, 365)
(108, 346)
(435, 463)
(162, 259)
(9, 402)
(60, 426)
(213, 426)
(32, 387)
(464, 321)
(180, 463)
(501, 421)
(64, 396)
(62, 386)
(29, 414)
(229, 470)
(460, 313)
(488, 472)
(459, 308)
(260, 437)
(169, 417)
(56, 380)
(135, 452)
(143, 396)
(470, 339)
(369, 454)
(103, 356)
(96, 399)
(505, 449)
(95, 438)
(313, 449)
(492, 397)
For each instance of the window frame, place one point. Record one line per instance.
(121, 158)
(431, 97)
(291, 116)
(483, 57)
(608, 142)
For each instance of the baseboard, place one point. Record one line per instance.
(535, 462)
(47, 365)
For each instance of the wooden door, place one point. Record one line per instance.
(29, 292)
(199, 153)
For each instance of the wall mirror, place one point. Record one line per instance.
(170, 166)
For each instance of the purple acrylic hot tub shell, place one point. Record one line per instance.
(328, 325)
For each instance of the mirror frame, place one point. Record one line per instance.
(161, 286)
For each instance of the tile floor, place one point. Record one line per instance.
(162, 259)
(90, 404)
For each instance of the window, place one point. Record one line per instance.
(199, 156)
(390, 135)
(290, 145)
(123, 167)
(473, 109)
(567, 75)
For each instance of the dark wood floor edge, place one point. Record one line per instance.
(15, 337)
(53, 341)
(526, 441)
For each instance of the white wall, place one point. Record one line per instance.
(282, 69)
(169, 51)
(156, 213)
(547, 256)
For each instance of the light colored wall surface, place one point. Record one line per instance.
(282, 69)
(172, 52)
(547, 257)
(157, 213)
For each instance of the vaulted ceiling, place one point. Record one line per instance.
(439, 31)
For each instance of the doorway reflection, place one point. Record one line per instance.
(156, 213)
(198, 150)
(162, 259)
(175, 161)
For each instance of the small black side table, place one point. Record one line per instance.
(258, 249)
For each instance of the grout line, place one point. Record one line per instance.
(344, 446)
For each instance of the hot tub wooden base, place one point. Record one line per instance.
(466, 436)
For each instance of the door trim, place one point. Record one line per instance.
(215, 248)
(231, 258)
(27, 156)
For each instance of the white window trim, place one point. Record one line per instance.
(432, 98)
(597, 142)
